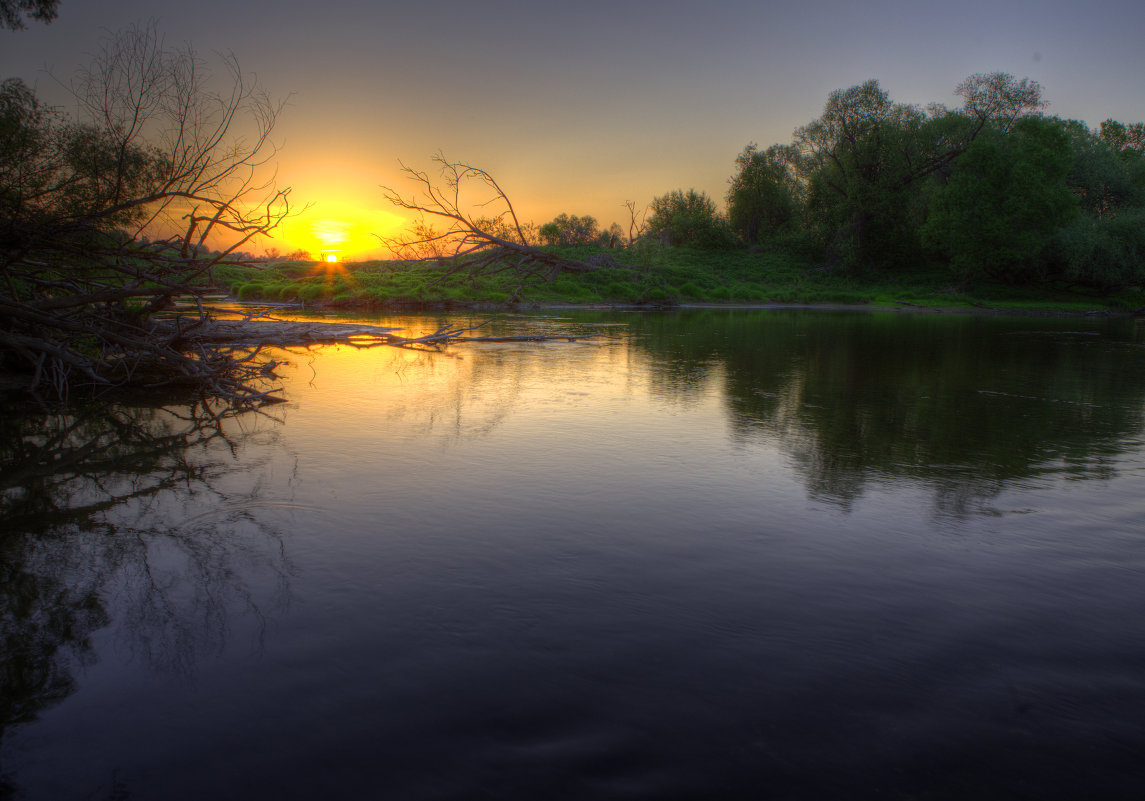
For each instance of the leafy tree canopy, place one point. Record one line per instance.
(1006, 198)
(689, 219)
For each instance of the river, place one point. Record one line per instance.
(710, 554)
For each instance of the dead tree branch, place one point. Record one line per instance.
(105, 220)
(482, 234)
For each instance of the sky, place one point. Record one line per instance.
(579, 107)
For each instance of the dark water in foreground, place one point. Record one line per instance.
(729, 555)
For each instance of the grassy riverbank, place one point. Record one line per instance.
(651, 276)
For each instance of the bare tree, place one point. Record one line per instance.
(107, 219)
(637, 220)
(481, 234)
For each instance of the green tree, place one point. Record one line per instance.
(1104, 247)
(1124, 137)
(1107, 173)
(689, 219)
(13, 12)
(998, 100)
(567, 231)
(859, 158)
(1006, 197)
(867, 162)
(764, 196)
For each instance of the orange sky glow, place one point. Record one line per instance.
(578, 108)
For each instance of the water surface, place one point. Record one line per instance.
(749, 554)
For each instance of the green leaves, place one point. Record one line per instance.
(689, 219)
(1005, 199)
(763, 200)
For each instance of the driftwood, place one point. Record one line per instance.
(107, 220)
(240, 343)
(270, 332)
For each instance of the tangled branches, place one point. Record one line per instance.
(482, 234)
(105, 221)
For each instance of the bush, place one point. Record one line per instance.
(1103, 253)
(690, 219)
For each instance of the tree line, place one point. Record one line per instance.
(994, 189)
(107, 218)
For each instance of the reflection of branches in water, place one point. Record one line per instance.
(104, 522)
(70, 467)
(476, 398)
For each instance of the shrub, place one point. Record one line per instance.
(1103, 253)
(690, 219)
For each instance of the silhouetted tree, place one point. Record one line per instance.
(106, 219)
(475, 242)
(566, 230)
(764, 197)
(13, 12)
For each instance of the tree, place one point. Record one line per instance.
(473, 241)
(998, 100)
(857, 160)
(1123, 137)
(1104, 246)
(105, 220)
(568, 231)
(1005, 199)
(764, 197)
(1107, 172)
(12, 12)
(866, 165)
(612, 238)
(689, 219)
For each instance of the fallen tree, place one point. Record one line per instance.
(263, 331)
(108, 218)
(481, 236)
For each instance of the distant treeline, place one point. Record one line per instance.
(994, 190)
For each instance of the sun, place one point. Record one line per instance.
(346, 230)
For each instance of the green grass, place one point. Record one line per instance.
(650, 276)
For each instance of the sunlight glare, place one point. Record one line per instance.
(338, 229)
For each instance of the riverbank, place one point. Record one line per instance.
(657, 278)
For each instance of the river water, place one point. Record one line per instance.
(781, 554)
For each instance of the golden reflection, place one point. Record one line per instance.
(458, 394)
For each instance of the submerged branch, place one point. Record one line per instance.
(287, 333)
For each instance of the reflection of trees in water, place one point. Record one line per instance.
(104, 518)
(965, 405)
(469, 393)
(479, 392)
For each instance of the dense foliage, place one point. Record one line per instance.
(992, 190)
(689, 219)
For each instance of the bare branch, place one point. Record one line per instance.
(477, 244)
(105, 220)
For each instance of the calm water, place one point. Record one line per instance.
(727, 555)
